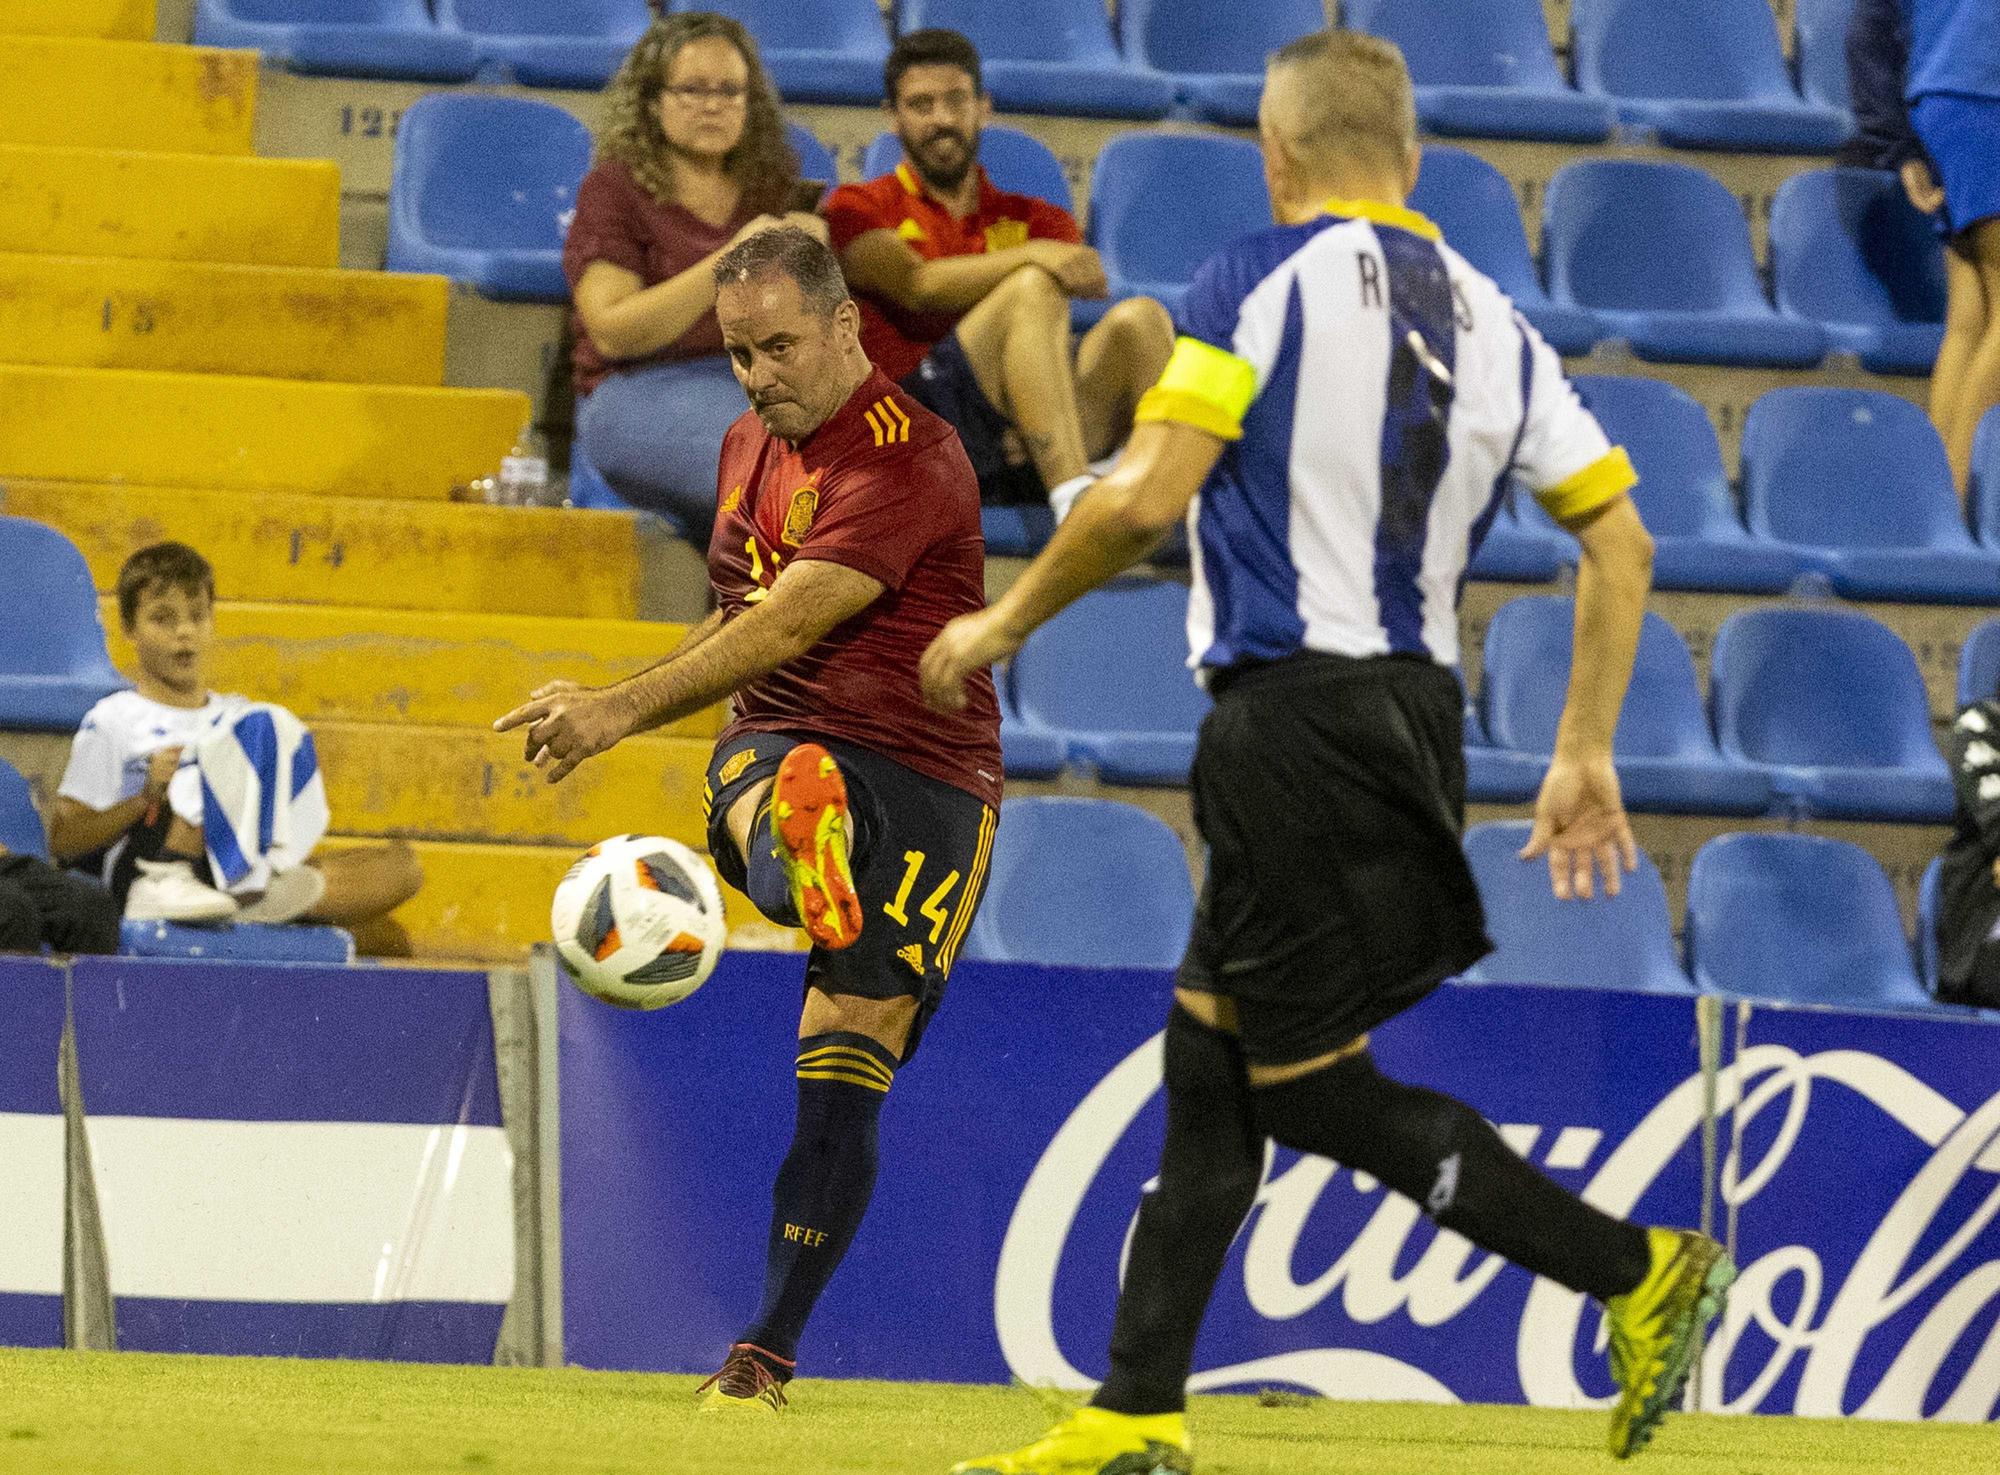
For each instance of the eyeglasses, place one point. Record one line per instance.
(694, 95)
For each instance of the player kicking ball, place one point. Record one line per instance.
(846, 535)
(1347, 402)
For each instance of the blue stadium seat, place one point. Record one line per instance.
(816, 160)
(1927, 914)
(482, 191)
(1979, 664)
(1849, 252)
(1661, 253)
(1704, 74)
(1621, 942)
(1666, 754)
(1798, 919)
(21, 829)
(1821, 52)
(1163, 203)
(1494, 775)
(1016, 532)
(1984, 491)
(54, 667)
(1017, 162)
(241, 942)
(1134, 718)
(1088, 883)
(1484, 70)
(1857, 480)
(815, 50)
(1683, 496)
(1833, 706)
(1513, 551)
(1474, 206)
(1215, 52)
(548, 43)
(340, 38)
(1049, 56)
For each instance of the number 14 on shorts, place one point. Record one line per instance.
(933, 905)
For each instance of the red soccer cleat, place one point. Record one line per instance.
(809, 821)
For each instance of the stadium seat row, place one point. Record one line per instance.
(1656, 254)
(1784, 918)
(1815, 712)
(1696, 74)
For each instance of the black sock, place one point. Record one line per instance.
(823, 1189)
(764, 879)
(1448, 1159)
(1209, 1172)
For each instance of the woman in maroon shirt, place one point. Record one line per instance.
(691, 157)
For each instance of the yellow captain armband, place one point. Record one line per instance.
(1203, 386)
(1608, 477)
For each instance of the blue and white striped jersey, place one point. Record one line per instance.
(1376, 393)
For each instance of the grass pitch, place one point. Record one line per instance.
(92, 1414)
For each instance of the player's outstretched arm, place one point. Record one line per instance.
(808, 600)
(1120, 519)
(1580, 822)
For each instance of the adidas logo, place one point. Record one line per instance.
(914, 956)
(888, 422)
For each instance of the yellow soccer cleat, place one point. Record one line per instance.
(1096, 1441)
(745, 1384)
(809, 821)
(1656, 1330)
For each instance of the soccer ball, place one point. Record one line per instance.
(638, 921)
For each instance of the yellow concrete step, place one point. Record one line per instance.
(280, 322)
(461, 783)
(77, 93)
(169, 207)
(222, 432)
(490, 903)
(127, 20)
(449, 670)
(304, 549)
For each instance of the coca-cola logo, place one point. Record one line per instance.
(1836, 1338)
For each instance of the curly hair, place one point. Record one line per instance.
(763, 163)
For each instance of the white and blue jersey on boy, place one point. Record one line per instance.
(1377, 394)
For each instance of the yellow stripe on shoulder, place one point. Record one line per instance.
(1203, 386)
(1609, 477)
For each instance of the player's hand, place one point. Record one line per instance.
(160, 769)
(967, 645)
(1078, 270)
(568, 723)
(1580, 825)
(1922, 186)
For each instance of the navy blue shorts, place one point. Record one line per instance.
(945, 385)
(921, 848)
(1962, 136)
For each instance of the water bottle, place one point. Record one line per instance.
(524, 477)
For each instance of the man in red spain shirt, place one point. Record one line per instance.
(846, 537)
(965, 292)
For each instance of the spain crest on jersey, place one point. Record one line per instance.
(799, 516)
(1005, 235)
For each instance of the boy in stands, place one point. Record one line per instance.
(135, 804)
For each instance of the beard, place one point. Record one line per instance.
(948, 173)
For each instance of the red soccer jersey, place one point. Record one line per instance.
(895, 338)
(884, 488)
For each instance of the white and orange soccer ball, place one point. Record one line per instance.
(638, 921)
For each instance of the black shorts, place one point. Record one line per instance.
(1331, 793)
(921, 848)
(945, 385)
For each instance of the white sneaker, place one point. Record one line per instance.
(1063, 496)
(166, 891)
(290, 896)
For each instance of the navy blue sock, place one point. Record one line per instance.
(764, 879)
(824, 1187)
